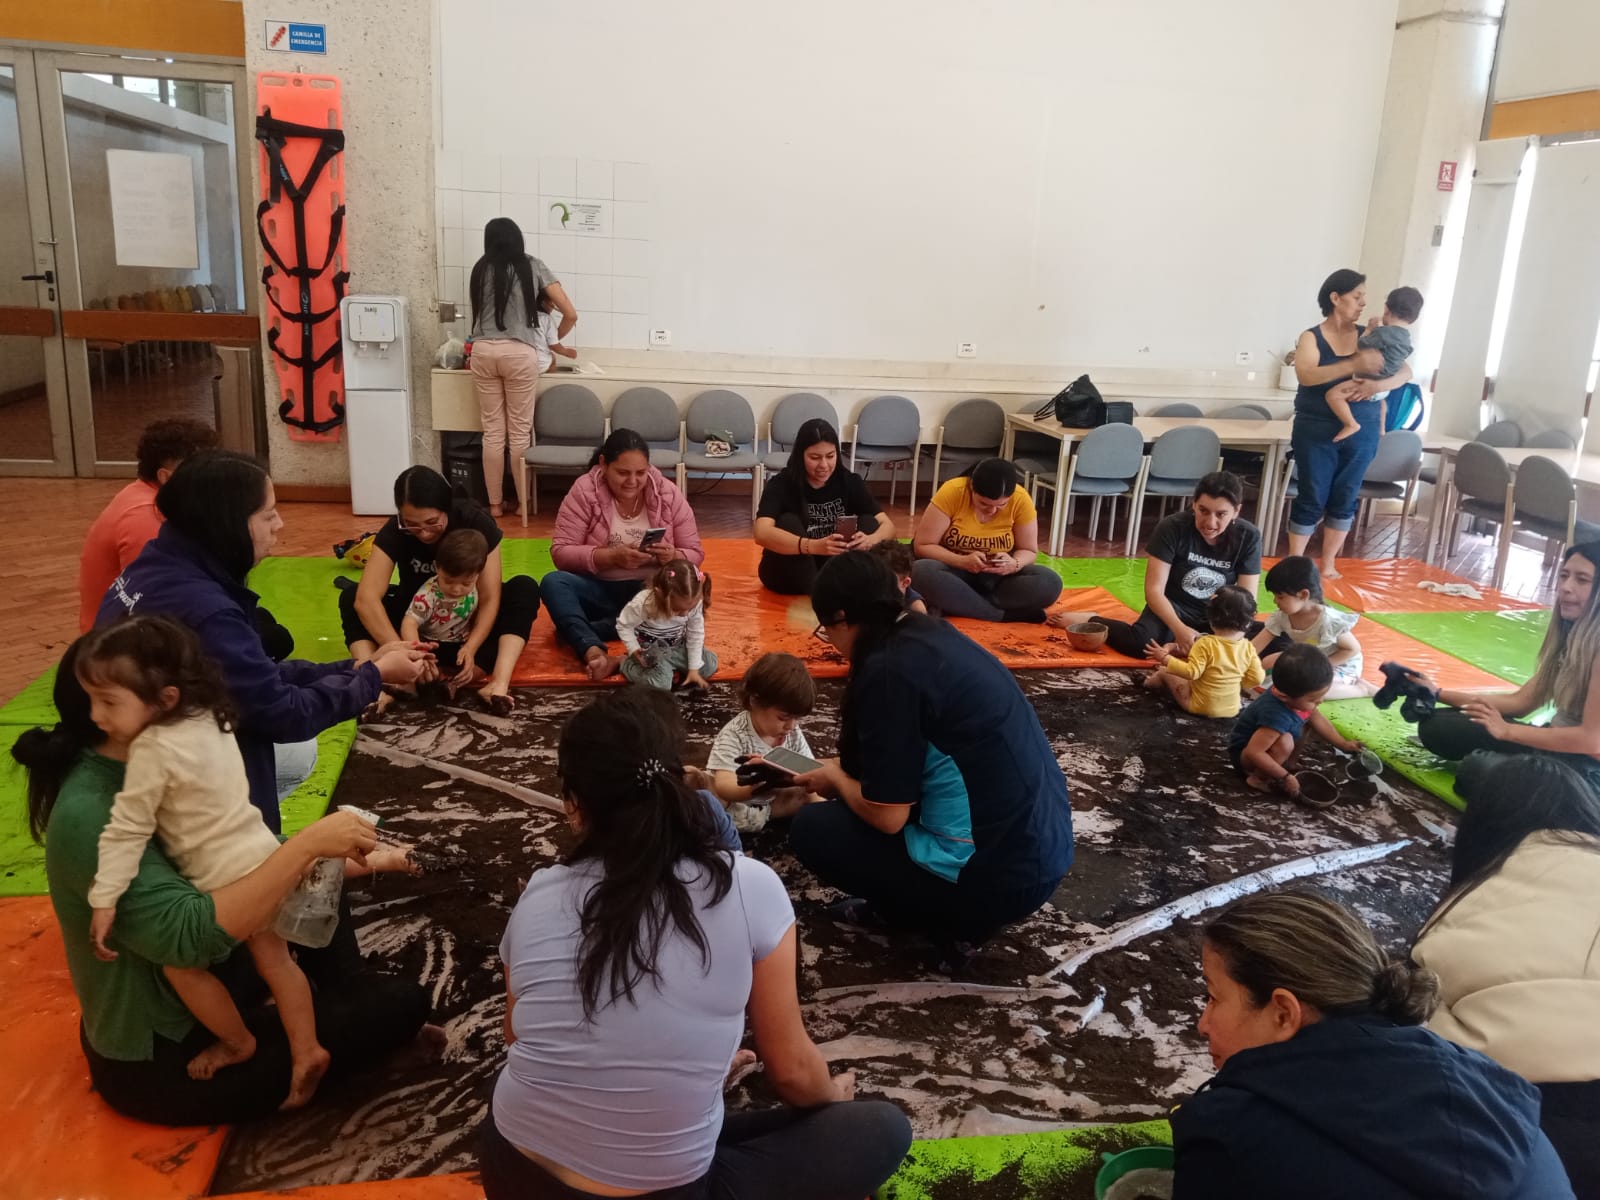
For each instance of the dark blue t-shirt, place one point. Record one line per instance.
(1268, 711)
(931, 686)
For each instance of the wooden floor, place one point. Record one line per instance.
(44, 522)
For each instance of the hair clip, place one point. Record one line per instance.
(648, 770)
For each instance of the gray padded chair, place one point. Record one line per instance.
(1034, 453)
(972, 431)
(1243, 412)
(1178, 410)
(1392, 475)
(792, 412)
(722, 411)
(568, 423)
(888, 430)
(1482, 488)
(1551, 439)
(1110, 462)
(1179, 459)
(1546, 502)
(653, 415)
(1505, 434)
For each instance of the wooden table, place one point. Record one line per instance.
(1584, 469)
(1268, 437)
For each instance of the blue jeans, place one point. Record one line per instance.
(584, 608)
(1330, 472)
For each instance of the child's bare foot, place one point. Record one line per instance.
(1347, 431)
(744, 1062)
(392, 858)
(221, 1054)
(1152, 681)
(788, 801)
(1258, 783)
(599, 664)
(304, 1077)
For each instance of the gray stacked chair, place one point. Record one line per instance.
(889, 430)
(792, 412)
(1179, 459)
(653, 415)
(1246, 464)
(1110, 462)
(717, 412)
(1505, 434)
(1243, 412)
(1482, 487)
(568, 423)
(1034, 453)
(1546, 502)
(1550, 439)
(972, 431)
(1178, 410)
(1392, 475)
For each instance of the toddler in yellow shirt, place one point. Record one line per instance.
(1220, 664)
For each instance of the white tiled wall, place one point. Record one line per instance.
(607, 274)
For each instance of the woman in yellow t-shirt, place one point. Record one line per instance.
(976, 545)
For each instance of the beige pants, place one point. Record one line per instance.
(505, 374)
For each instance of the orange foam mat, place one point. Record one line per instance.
(62, 1141)
(745, 621)
(1390, 585)
(431, 1187)
(1380, 644)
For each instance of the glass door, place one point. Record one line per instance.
(35, 430)
(146, 187)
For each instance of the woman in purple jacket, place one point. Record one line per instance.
(599, 545)
(221, 520)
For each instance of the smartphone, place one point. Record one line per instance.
(787, 760)
(992, 559)
(651, 537)
(846, 527)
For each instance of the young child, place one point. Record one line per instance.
(1391, 336)
(896, 555)
(445, 609)
(152, 690)
(545, 345)
(1221, 663)
(663, 629)
(1303, 616)
(1266, 734)
(777, 693)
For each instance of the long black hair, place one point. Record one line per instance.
(619, 443)
(622, 766)
(811, 433)
(48, 755)
(859, 588)
(994, 478)
(504, 258)
(210, 500)
(1518, 795)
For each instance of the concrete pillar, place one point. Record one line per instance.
(382, 53)
(1433, 112)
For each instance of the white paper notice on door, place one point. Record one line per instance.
(152, 209)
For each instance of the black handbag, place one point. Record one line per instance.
(1079, 405)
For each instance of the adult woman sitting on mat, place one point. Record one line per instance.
(1514, 944)
(1328, 1086)
(1327, 358)
(426, 510)
(221, 520)
(630, 968)
(1190, 555)
(950, 814)
(616, 525)
(136, 1034)
(1568, 665)
(797, 523)
(976, 545)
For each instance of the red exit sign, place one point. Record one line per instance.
(1447, 177)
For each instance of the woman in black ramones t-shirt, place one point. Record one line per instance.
(1191, 554)
(801, 507)
(371, 612)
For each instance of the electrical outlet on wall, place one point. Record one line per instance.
(1242, 358)
(966, 349)
(661, 337)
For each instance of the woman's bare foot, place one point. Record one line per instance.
(1330, 570)
(496, 510)
(304, 1077)
(221, 1054)
(497, 699)
(377, 708)
(392, 858)
(599, 664)
(1062, 619)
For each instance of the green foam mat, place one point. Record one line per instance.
(309, 801)
(1057, 1165)
(1122, 577)
(1503, 643)
(300, 594)
(1389, 736)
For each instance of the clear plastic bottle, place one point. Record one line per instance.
(311, 913)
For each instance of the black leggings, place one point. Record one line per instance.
(838, 1150)
(362, 1015)
(1570, 1118)
(1132, 639)
(519, 605)
(1452, 735)
(793, 574)
(844, 852)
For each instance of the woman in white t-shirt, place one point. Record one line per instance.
(630, 967)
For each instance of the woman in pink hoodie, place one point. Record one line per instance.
(597, 545)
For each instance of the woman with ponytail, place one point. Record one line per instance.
(950, 814)
(630, 967)
(1328, 1085)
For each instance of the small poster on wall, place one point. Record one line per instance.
(152, 209)
(577, 216)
